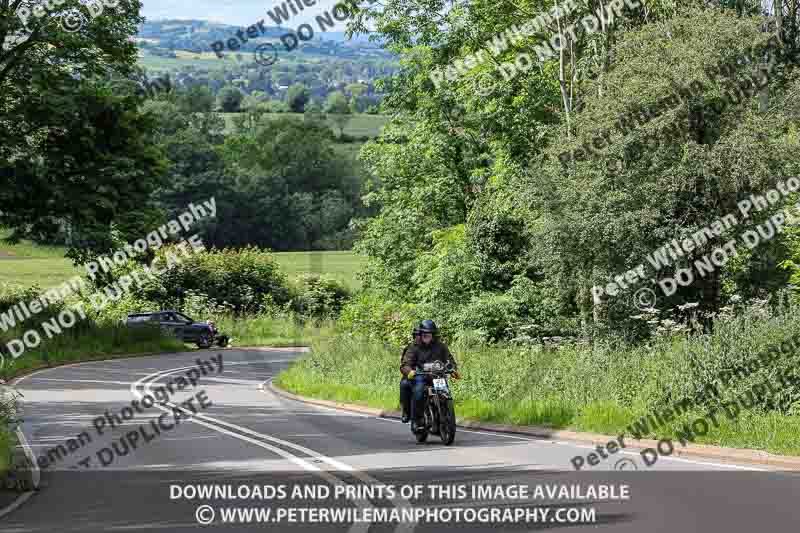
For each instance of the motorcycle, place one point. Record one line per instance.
(440, 416)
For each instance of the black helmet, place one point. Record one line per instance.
(428, 326)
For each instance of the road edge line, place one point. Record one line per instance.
(736, 455)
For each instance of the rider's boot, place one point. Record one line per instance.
(405, 416)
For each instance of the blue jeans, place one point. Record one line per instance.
(418, 397)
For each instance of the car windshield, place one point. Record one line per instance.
(184, 318)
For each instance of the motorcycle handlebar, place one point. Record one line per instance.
(432, 373)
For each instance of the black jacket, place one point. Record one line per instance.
(405, 351)
(418, 354)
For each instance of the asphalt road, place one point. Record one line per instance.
(261, 447)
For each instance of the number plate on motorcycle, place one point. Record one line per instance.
(440, 384)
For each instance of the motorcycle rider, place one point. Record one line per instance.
(428, 350)
(406, 386)
(222, 340)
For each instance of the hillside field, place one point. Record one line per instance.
(26, 264)
(360, 125)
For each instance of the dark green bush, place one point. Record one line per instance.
(239, 278)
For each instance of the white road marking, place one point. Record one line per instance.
(398, 502)
(535, 440)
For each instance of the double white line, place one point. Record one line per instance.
(262, 440)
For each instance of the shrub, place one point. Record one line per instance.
(237, 280)
(320, 296)
(491, 315)
(11, 296)
(117, 310)
(373, 316)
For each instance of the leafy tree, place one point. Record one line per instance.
(356, 89)
(291, 188)
(196, 99)
(482, 151)
(297, 97)
(168, 116)
(71, 151)
(336, 103)
(337, 107)
(230, 99)
(92, 174)
(671, 178)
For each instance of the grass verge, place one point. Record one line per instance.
(602, 389)
(87, 344)
(270, 331)
(6, 446)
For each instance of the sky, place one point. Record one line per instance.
(235, 12)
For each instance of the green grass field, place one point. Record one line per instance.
(27, 264)
(339, 265)
(359, 125)
(209, 60)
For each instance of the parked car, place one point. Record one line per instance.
(180, 325)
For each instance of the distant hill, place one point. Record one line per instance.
(165, 37)
(323, 64)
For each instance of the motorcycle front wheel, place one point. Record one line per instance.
(447, 423)
(422, 433)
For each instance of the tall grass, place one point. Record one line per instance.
(602, 388)
(5, 451)
(264, 330)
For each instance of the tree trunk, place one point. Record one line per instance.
(709, 287)
(763, 94)
(561, 81)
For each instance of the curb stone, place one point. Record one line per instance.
(733, 455)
